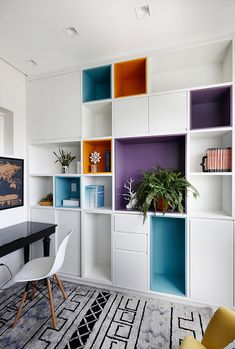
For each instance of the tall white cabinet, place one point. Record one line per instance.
(167, 108)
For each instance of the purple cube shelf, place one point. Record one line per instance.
(211, 107)
(133, 155)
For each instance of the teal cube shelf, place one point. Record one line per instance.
(67, 188)
(167, 261)
(96, 83)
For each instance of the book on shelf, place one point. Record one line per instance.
(72, 202)
(94, 196)
(217, 160)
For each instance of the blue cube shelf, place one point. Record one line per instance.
(96, 83)
(67, 188)
(167, 248)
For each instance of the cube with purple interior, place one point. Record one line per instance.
(211, 107)
(134, 155)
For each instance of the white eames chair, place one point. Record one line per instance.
(42, 269)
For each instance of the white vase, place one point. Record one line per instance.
(65, 169)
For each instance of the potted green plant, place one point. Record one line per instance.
(164, 190)
(65, 158)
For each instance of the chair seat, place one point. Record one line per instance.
(191, 343)
(36, 269)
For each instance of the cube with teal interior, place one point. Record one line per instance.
(67, 191)
(96, 83)
(167, 251)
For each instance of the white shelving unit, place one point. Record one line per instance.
(110, 244)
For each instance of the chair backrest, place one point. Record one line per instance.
(220, 330)
(59, 259)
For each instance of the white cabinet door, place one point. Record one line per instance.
(67, 105)
(70, 220)
(211, 260)
(130, 223)
(40, 109)
(130, 270)
(131, 116)
(42, 215)
(168, 112)
(55, 107)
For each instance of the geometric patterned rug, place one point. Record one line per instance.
(97, 318)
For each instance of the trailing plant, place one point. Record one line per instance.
(64, 157)
(163, 189)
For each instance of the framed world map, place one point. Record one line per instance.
(11, 183)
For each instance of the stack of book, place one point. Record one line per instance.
(94, 196)
(72, 202)
(217, 160)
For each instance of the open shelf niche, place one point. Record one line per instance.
(130, 78)
(97, 249)
(134, 155)
(67, 187)
(191, 67)
(97, 120)
(105, 181)
(201, 141)
(96, 83)
(211, 107)
(167, 251)
(39, 187)
(42, 159)
(104, 148)
(6, 132)
(215, 200)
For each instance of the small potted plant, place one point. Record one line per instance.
(65, 158)
(164, 190)
(47, 200)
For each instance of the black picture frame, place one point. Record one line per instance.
(11, 183)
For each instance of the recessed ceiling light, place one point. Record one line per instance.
(32, 62)
(142, 11)
(71, 32)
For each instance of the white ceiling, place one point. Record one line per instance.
(33, 29)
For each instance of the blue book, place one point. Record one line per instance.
(94, 196)
(107, 161)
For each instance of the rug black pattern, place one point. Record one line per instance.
(95, 318)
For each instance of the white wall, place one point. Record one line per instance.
(13, 98)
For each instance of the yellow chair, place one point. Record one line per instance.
(219, 333)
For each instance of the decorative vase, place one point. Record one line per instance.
(65, 169)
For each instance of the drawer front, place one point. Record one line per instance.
(131, 270)
(130, 241)
(130, 223)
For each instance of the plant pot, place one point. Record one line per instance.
(161, 205)
(65, 169)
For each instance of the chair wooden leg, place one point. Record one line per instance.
(21, 305)
(51, 303)
(60, 286)
(33, 289)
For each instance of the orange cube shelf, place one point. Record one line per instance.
(100, 146)
(130, 78)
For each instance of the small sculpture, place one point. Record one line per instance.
(95, 158)
(130, 195)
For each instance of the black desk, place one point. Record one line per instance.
(22, 235)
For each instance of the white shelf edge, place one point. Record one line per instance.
(42, 207)
(210, 130)
(103, 210)
(55, 141)
(99, 101)
(210, 214)
(210, 174)
(97, 174)
(105, 138)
